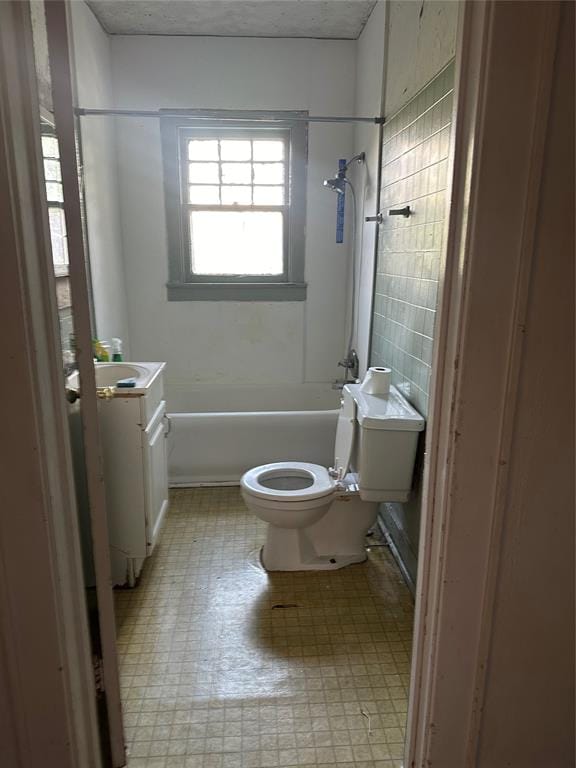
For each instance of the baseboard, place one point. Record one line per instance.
(203, 483)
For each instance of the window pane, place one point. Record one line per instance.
(54, 192)
(58, 235)
(203, 173)
(50, 146)
(204, 195)
(235, 149)
(268, 195)
(268, 173)
(236, 173)
(52, 170)
(236, 195)
(268, 150)
(230, 243)
(203, 149)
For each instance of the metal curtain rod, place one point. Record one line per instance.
(84, 112)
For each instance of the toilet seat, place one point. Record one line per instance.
(267, 481)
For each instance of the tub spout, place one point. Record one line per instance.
(351, 363)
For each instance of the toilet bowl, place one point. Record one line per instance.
(294, 497)
(289, 494)
(318, 517)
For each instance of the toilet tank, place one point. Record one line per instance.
(386, 438)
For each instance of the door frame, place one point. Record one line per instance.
(58, 30)
(504, 80)
(66, 734)
(475, 388)
(47, 701)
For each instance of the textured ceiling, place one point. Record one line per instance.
(340, 19)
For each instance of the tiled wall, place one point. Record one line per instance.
(414, 170)
(410, 263)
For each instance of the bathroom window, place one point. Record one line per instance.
(235, 206)
(55, 198)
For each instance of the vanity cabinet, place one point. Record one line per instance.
(133, 428)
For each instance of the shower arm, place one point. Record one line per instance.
(359, 158)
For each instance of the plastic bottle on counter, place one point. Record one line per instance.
(117, 356)
(101, 351)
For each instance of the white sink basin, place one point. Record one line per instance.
(108, 374)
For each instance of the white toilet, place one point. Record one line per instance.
(318, 517)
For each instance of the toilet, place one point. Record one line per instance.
(318, 517)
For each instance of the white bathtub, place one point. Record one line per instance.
(217, 448)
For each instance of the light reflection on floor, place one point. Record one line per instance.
(226, 666)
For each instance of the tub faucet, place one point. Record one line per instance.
(351, 365)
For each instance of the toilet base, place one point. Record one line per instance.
(334, 542)
(317, 563)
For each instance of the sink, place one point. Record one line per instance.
(108, 374)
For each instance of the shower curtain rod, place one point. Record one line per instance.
(84, 112)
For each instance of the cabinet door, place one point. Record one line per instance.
(156, 476)
(124, 453)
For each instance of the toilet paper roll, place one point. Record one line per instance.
(376, 381)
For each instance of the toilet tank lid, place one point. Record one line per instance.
(391, 412)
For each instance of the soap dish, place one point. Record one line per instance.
(126, 383)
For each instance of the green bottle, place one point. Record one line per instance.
(117, 356)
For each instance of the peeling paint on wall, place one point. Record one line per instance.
(422, 40)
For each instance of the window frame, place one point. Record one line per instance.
(183, 284)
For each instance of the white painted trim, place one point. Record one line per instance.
(536, 116)
(47, 698)
(502, 99)
(58, 28)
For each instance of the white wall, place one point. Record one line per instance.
(369, 94)
(236, 355)
(421, 40)
(94, 89)
(233, 355)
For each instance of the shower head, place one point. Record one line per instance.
(337, 184)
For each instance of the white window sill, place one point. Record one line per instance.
(236, 291)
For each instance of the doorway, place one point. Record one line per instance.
(433, 599)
